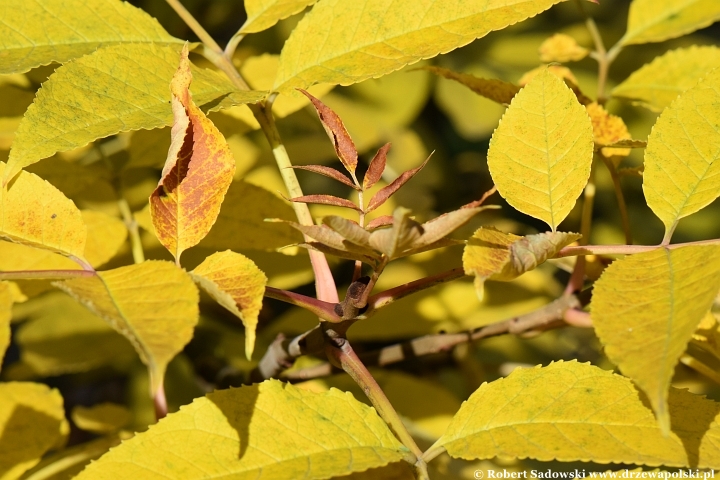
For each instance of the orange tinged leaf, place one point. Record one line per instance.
(492, 89)
(379, 222)
(197, 173)
(237, 284)
(344, 146)
(381, 197)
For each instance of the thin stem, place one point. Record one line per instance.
(194, 25)
(577, 278)
(620, 199)
(700, 367)
(363, 300)
(344, 355)
(133, 230)
(625, 249)
(45, 274)
(160, 401)
(600, 54)
(387, 297)
(233, 43)
(324, 310)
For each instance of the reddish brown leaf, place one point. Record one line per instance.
(344, 146)
(394, 241)
(383, 221)
(329, 237)
(376, 168)
(381, 197)
(326, 200)
(445, 224)
(328, 172)
(492, 89)
(197, 173)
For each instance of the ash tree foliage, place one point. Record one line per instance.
(154, 230)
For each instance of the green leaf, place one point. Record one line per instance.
(32, 421)
(345, 43)
(38, 32)
(541, 152)
(660, 20)
(101, 418)
(115, 89)
(645, 309)
(34, 213)
(61, 336)
(494, 255)
(264, 431)
(573, 411)
(682, 171)
(657, 84)
(263, 14)
(153, 304)
(237, 284)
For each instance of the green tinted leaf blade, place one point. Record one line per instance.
(263, 14)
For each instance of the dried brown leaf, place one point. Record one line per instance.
(386, 192)
(447, 223)
(328, 172)
(326, 200)
(393, 241)
(492, 89)
(344, 146)
(349, 230)
(376, 168)
(320, 247)
(329, 237)
(379, 222)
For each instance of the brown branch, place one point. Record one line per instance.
(282, 353)
(547, 317)
(324, 310)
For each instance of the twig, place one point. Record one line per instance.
(324, 310)
(620, 199)
(549, 316)
(625, 249)
(577, 277)
(132, 228)
(282, 353)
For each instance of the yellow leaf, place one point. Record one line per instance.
(241, 223)
(38, 32)
(196, 175)
(494, 255)
(14, 256)
(261, 70)
(148, 148)
(645, 309)
(682, 173)
(557, 70)
(561, 48)
(263, 14)
(105, 235)
(70, 177)
(101, 418)
(35, 213)
(370, 38)
(608, 129)
(153, 304)
(658, 83)
(61, 336)
(541, 152)
(114, 89)
(573, 411)
(659, 20)
(32, 421)
(280, 431)
(9, 294)
(237, 284)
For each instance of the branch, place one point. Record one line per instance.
(324, 310)
(625, 249)
(45, 274)
(561, 312)
(282, 353)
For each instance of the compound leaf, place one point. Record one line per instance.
(570, 411)
(32, 421)
(115, 89)
(38, 32)
(645, 309)
(656, 84)
(494, 255)
(196, 175)
(263, 14)
(153, 304)
(34, 213)
(237, 284)
(281, 431)
(541, 152)
(345, 43)
(682, 170)
(660, 20)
